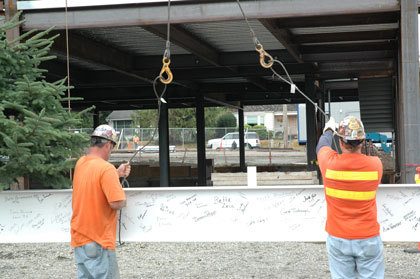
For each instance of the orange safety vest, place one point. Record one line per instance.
(350, 183)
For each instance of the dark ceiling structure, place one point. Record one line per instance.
(346, 50)
(114, 59)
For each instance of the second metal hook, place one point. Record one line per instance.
(266, 60)
(167, 71)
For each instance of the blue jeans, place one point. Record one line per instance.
(356, 258)
(95, 262)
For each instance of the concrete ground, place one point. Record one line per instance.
(256, 157)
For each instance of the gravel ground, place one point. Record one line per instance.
(198, 260)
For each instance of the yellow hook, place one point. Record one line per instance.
(263, 56)
(166, 70)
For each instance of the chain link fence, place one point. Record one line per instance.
(183, 146)
(186, 138)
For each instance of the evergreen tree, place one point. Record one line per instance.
(212, 114)
(226, 120)
(178, 118)
(35, 140)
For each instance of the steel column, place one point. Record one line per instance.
(310, 91)
(201, 141)
(164, 145)
(242, 165)
(95, 118)
(409, 117)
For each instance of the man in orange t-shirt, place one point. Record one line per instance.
(351, 179)
(97, 195)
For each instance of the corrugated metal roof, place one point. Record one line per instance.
(230, 36)
(131, 39)
(89, 65)
(223, 36)
(346, 28)
(227, 36)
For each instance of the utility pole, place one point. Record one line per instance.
(10, 7)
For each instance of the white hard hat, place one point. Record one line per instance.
(106, 132)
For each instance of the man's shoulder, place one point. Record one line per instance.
(374, 160)
(326, 156)
(98, 161)
(106, 165)
(368, 162)
(326, 151)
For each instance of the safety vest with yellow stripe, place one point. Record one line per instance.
(417, 178)
(350, 182)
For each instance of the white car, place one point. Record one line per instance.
(231, 140)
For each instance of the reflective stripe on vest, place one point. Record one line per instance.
(350, 195)
(352, 175)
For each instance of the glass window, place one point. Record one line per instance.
(251, 136)
(120, 124)
(252, 120)
(228, 136)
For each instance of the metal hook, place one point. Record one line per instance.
(166, 70)
(263, 56)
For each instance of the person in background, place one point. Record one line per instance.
(97, 195)
(136, 141)
(351, 179)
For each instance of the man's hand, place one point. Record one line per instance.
(330, 125)
(118, 204)
(124, 170)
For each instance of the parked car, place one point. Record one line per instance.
(231, 140)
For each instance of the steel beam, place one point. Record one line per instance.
(338, 20)
(226, 59)
(187, 41)
(97, 53)
(197, 73)
(284, 37)
(203, 12)
(207, 214)
(196, 46)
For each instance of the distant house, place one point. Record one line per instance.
(271, 116)
(120, 119)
